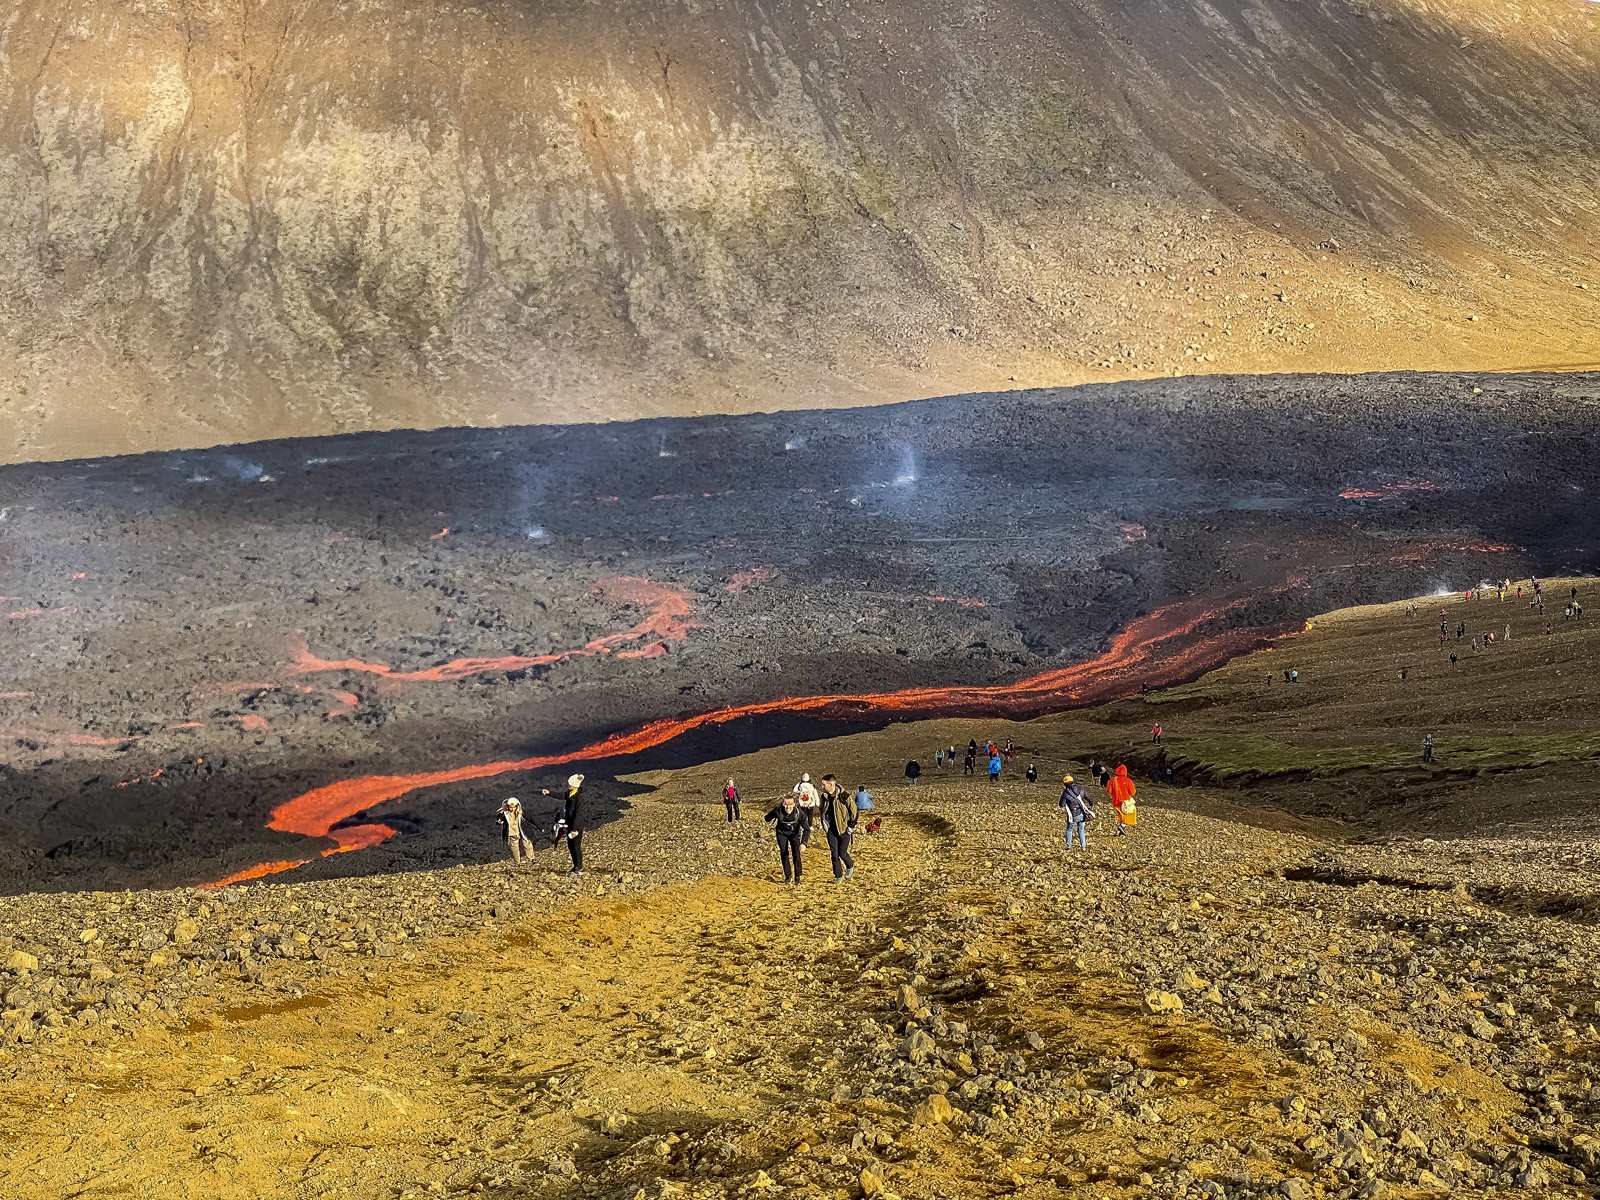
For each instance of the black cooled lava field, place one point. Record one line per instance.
(193, 640)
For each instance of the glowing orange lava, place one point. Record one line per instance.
(1153, 649)
(256, 872)
(667, 620)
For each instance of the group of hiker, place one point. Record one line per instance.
(996, 757)
(826, 803)
(832, 806)
(566, 824)
(1074, 800)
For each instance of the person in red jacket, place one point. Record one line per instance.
(1122, 789)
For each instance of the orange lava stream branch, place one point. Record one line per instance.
(1144, 649)
(668, 620)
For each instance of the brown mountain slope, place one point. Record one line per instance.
(272, 217)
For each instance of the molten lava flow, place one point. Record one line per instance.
(256, 872)
(1153, 648)
(358, 837)
(667, 620)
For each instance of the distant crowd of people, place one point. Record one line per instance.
(837, 810)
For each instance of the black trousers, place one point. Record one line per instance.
(733, 809)
(575, 845)
(789, 853)
(839, 851)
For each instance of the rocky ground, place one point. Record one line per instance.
(1253, 995)
(188, 641)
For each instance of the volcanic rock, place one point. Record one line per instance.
(1159, 1003)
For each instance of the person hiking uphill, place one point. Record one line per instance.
(789, 822)
(994, 768)
(805, 794)
(730, 801)
(1079, 812)
(1122, 789)
(572, 818)
(509, 817)
(838, 823)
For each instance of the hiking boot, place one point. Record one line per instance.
(850, 873)
(838, 878)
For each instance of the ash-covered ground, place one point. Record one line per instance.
(192, 639)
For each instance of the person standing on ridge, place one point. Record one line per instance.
(1427, 747)
(789, 822)
(730, 800)
(1155, 733)
(972, 747)
(1122, 791)
(994, 768)
(573, 819)
(1079, 813)
(509, 817)
(839, 817)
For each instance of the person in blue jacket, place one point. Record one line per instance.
(994, 768)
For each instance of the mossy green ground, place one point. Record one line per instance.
(1515, 735)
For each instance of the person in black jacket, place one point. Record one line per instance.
(730, 801)
(913, 769)
(572, 818)
(839, 816)
(790, 822)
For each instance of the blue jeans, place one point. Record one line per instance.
(1081, 828)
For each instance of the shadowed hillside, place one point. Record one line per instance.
(273, 217)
